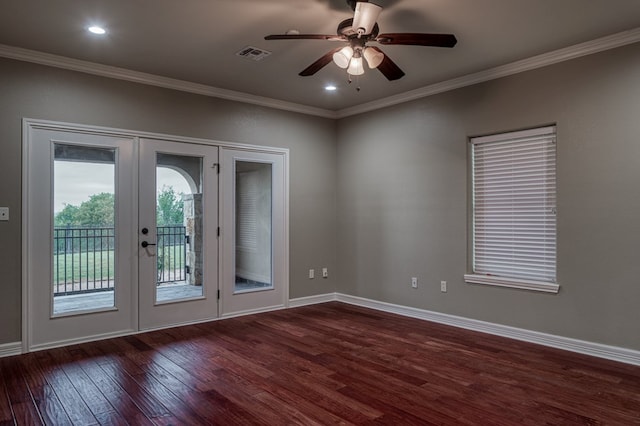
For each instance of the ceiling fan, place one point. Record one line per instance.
(357, 32)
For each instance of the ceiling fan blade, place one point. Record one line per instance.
(305, 37)
(365, 17)
(319, 64)
(418, 39)
(388, 68)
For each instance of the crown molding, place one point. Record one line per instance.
(576, 51)
(63, 62)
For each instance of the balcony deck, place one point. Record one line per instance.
(104, 299)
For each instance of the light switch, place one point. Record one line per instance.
(4, 214)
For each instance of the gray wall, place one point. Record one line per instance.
(394, 184)
(33, 91)
(403, 198)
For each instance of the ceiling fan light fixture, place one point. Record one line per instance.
(374, 57)
(343, 56)
(365, 17)
(355, 66)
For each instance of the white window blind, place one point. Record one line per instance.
(247, 210)
(514, 206)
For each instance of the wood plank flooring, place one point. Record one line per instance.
(317, 365)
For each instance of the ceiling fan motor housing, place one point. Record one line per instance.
(345, 28)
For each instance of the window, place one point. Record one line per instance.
(514, 210)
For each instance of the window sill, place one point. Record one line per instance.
(512, 283)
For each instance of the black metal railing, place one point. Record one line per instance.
(84, 258)
(172, 254)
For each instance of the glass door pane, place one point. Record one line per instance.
(179, 228)
(253, 218)
(84, 191)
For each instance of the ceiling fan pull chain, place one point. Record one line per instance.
(357, 77)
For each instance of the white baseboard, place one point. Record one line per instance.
(87, 339)
(252, 311)
(10, 349)
(312, 300)
(614, 353)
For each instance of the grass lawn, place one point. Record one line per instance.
(99, 265)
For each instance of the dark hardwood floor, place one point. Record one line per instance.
(324, 364)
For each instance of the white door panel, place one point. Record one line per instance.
(80, 276)
(179, 265)
(254, 275)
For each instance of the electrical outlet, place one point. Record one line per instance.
(4, 214)
(443, 286)
(414, 282)
(325, 273)
(312, 274)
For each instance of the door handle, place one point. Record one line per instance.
(146, 244)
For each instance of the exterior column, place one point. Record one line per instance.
(193, 224)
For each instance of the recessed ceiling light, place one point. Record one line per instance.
(330, 88)
(96, 30)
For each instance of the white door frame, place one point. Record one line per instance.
(29, 125)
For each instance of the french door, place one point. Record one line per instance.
(124, 233)
(79, 238)
(178, 248)
(254, 232)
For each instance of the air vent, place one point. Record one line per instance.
(253, 53)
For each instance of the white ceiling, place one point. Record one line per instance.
(196, 40)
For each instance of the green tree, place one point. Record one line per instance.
(68, 216)
(98, 210)
(170, 210)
